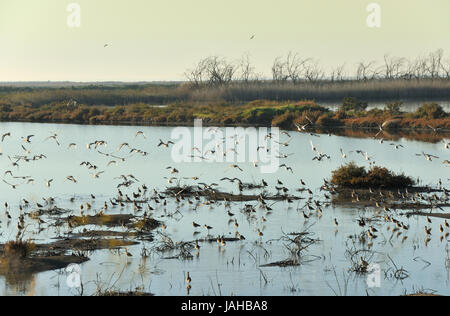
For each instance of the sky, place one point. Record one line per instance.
(151, 40)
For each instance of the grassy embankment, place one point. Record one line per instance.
(228, 106)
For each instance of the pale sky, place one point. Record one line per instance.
(158, 40)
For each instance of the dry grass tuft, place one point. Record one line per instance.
(18, 249)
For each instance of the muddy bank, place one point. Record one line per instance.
(213, 195)
(97, 220)
(75, 245)
(437, 215)
(108, 234)
(139, 224)
(390, 205)
(413, 198)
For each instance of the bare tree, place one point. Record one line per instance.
(196, 75)
(295, 66)
(246, 70)
(217, 71)
(445, 68)
(434, 63)
(365, 71)
(418, 68)
(211, 71)
(393, 67)
(220, 72)
(410, 69)
(337, 74)
(312, 72)
(278, 71)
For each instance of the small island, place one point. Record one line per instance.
(355, 177)
(380, 188)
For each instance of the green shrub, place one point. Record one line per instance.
(94, 112)
(5, 108)
(372, 113)
(352, 104)
(430, 111)
(393, 108)
(352, 176)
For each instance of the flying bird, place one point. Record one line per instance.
(55, 137)
(161, 143)
(5, 135)
(139, 133)
(28, 138)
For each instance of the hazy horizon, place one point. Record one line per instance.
(152, 41)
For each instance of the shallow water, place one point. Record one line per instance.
(407, 106)
(233, 269)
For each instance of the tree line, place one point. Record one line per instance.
(215, 71)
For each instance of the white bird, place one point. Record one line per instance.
(381, 130)
(71, 178)
(27, 139)
(4, 136)
(173, 170)
(435, 129)
(111, 163)
(301, 128)
(313, 148)
(161, 143)
(396, 146)
(367, 157)
(170, 180)
(13, 186)
(97, 175)
(446, 145)
(235, 167)
(427, 156)
(55, 137)
(139, 133)
(27, 151)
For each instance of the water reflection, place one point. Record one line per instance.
(407, 106)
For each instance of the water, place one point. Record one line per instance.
(233, 269)
(407, 106)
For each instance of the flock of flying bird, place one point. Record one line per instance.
(313, 205)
